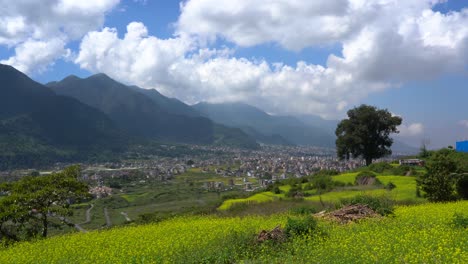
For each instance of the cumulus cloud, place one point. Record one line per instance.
(410, 130)
(177, 67)
(384, 43)
(463, 123)
(33, 55)
(47, 25)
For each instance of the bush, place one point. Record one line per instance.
(380, 167)
(300, 226)
(390, 186)
(439, 183)
(460, 220)
(367, 178)
(380, 204)
(276, 190)
(323, 182)
(327, 173)
(303, 210)
(296, 190)
(462, 186)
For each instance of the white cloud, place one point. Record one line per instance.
(410, 130)
(37, 54)
(178, 69)
(385, 40)
(26, 24)
(384, 43)
(293, 24)
(463, 123)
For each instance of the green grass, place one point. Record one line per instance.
(346, 177)
(405, 191)
(416, 234)
(256, 198)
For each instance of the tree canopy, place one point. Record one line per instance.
(366, 133)
(33, 203)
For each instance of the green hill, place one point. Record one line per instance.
(147, 113)
(36, 125)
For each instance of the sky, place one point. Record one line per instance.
(286, 57)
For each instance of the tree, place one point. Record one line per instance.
(31, 202)
(439, 183)
(366, 133)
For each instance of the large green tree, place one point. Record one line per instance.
(366, 133)
(34, 203)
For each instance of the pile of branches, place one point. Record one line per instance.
(276, 234)
(350, 213)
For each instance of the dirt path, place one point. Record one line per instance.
(88, 215)
(106, 215)
(68, 222)
(126, 216)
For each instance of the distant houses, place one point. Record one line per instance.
(412, 162)
(462, 146)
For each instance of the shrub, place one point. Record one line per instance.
(367, 178)
(439, 183)
(380, 167)
(327, 173)
(380, 204)
(460, 220)
(303, 210)
(323, 183)
(462, 186)
(300, 226)
(390, 186)
(276, 190)
(296, 190)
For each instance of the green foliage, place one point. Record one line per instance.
(300, 226)
(417, 234)
(327, 173)
(366, 133)
(303, 210)
(323, 183)
(404, 170)
(462, 186)
(459, 220)
(390, 186)
(295, 191)
(367, 178)
(439, 182)
(33, 202)
(382, 205)
(380, 167)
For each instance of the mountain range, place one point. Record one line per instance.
(82, 117)
(271, 129)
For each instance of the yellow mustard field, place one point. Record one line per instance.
(415, 234)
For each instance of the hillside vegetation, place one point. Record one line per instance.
(416, 234)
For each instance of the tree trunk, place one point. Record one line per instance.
(368, 161)
(44, 225)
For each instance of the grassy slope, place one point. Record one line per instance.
(416, 234)
(405, 191)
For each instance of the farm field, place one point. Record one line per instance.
(405, 191)
(415, 234)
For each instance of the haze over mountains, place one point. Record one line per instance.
(261, 126)
(77, 116)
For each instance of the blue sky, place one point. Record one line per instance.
(324, 67)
